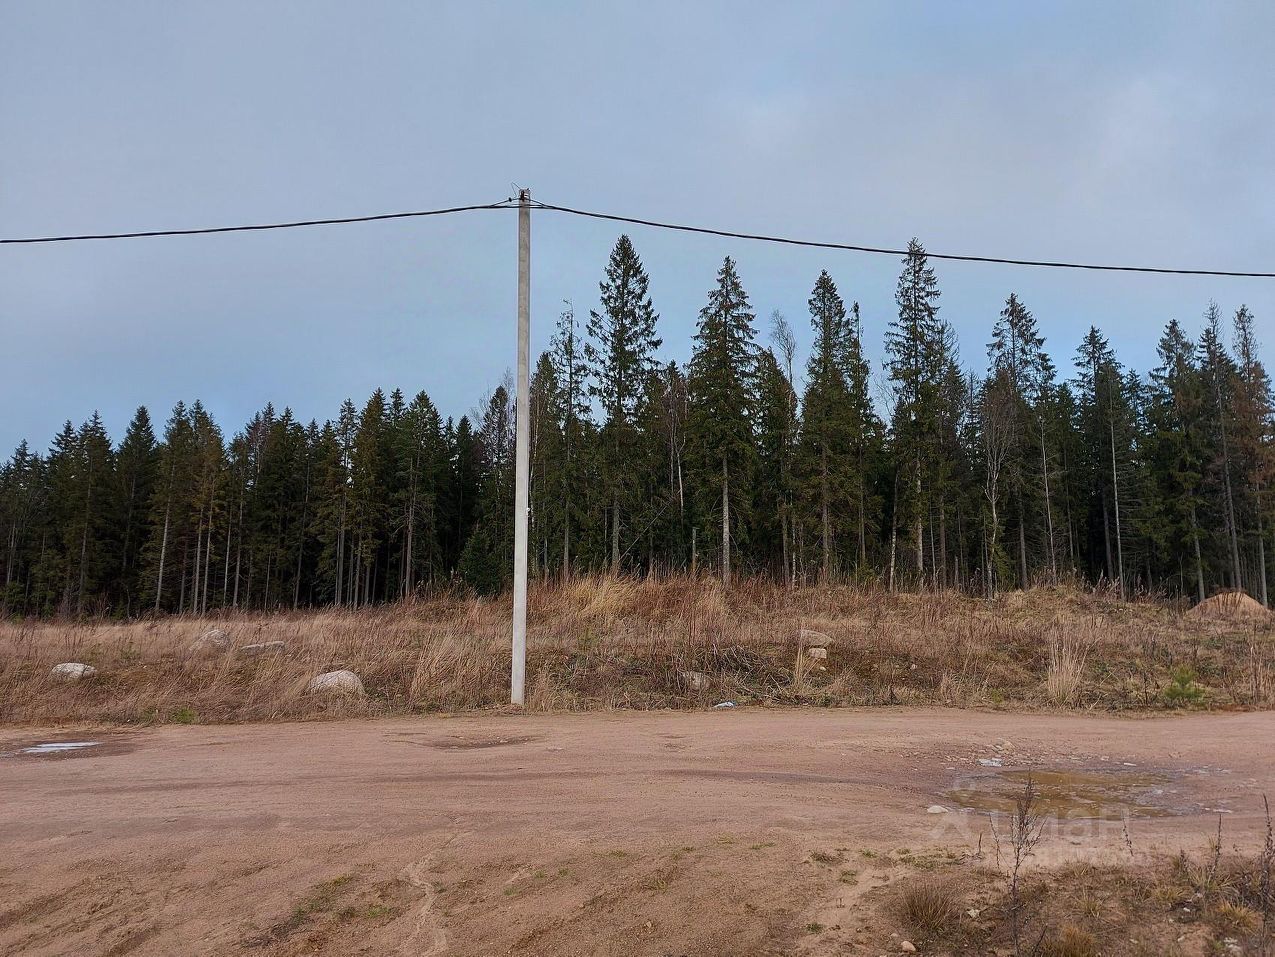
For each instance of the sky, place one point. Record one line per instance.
(1140, 133)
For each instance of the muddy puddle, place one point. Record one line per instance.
(106, 746)
(1073, 795)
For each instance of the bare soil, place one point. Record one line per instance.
(1229, 606)
(740, 831)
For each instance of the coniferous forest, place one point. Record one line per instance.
(979, 472)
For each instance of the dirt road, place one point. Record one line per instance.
(731, 831)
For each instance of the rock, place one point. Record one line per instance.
(263, 648)
(336, 682)
(937, 809)
(210, 642)
(908, 947)
(72, 671)
(814, 639)
(817, 654)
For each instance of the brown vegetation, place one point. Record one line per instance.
(1187, 904)
(601, 643)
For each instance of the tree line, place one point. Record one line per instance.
(925, 473)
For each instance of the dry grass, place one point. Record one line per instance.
(1070, 942)
(1066, 669)
(930, 909)
(1160, 905)
(605, 643)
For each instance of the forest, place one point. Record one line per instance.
(930, 472)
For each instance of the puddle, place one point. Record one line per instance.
(57, 747)
(1070, 795)
(109, 745)
(459, 743)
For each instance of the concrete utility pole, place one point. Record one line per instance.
(522, 448)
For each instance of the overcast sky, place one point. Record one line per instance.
(1126, 132)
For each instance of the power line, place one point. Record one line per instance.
(679, 227)
(204, 230)
(730, 234)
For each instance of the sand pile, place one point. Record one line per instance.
(1229, 606)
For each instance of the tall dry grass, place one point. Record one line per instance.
(606, 643)
(1066, 673)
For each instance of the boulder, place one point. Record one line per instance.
(210, 642)
(72, 671)
(263, 648)
(336, 682)
(814, 639)
(817, 654)
(695, 680)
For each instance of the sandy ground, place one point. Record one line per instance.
(637, 833)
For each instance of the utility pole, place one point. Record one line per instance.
(522, 446)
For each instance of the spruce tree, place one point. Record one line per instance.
(827, 462)
(927, 382)
(571, 374)
(722, 388)
(1220, 375)
(1176, 455)
(138, 465)
(1253, 432)
(621, 356)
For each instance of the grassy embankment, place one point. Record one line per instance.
(602, 643)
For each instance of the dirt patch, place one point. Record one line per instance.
(1229, 606)
(773, 832)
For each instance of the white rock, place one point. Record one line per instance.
(695, 680)
(336, 682)
(817, 654)
(72, 671)
(937, 809)
(908, 947)
(264, 648)
(210, 642)
(814, 639)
